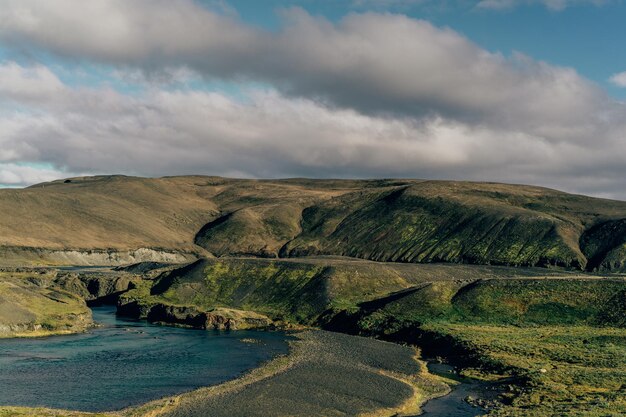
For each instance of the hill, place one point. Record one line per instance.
(553, 339)
(31, 305)
(112, 220)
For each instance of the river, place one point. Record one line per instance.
(125, 362)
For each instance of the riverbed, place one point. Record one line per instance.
(454, 404)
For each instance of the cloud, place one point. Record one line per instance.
(373, 63)
(175, 132)
(371, 95)
(555, 5)
(19, 175)
(386, 4)
(119, 31)
(268, 134)
(27, 83)
(619, 79)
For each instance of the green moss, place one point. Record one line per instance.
(560, 336)
(39, 309)
(571, 370)
(410, 224)
(514, 301)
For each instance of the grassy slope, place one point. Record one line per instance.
(509, 320)
(448, 221)
(573, 330)
(517, 321)
(129, 213)
(300, 290)
(385, 220)
(103, 212)
(571, 370)
(30, 306)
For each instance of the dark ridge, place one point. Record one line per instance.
(464, 290)
(379, 303)
(599, 241)
(193, 272)
(200, 238)
(141, 267)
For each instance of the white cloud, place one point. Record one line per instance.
(123, 31)
(371, 95)
(374, 63)
(386, 4)
(19, 175)
(619, 79)
(25, 83)
(555, 5)
(271, 135)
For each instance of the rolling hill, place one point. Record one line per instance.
(110, 220)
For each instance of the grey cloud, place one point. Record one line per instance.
(374, 63)
(373, 95)
(272, 135)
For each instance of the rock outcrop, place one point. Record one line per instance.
(191, 316)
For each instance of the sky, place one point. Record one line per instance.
(517, 91)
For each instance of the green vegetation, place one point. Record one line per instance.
(560, 336)
(30, 305)
(497, 276)
(568, 370)
(562, 340)
(296, 291)
(108, 219)
(511, 302)
(451, 222)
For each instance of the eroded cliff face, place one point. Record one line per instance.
(32, 305)
(191, 316)
(96, 287)
(43, 301)
(19, 256)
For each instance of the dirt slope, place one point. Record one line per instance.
(383, 220)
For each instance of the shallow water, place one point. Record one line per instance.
(125, 363)
(454, 404)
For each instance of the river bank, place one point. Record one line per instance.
(322, 373)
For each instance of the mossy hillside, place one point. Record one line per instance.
(412, 221)
(297, 292)
(321, 220)
(281, 291)
(384, 220)
(597, 302)
(260, 230)
(31, 306)
(408, 225)
(605, 246)
(292, 290)
(569, 370)
(563, 340)
(259, 217)
(301, 291)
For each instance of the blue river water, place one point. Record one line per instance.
(125, 363)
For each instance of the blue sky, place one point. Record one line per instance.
(489, 90)
(587, 37)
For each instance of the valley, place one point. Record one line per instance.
(519, 287)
